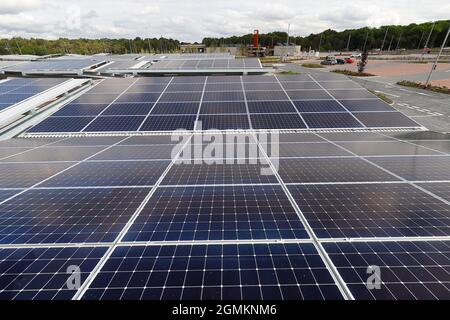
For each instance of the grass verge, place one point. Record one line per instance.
(382, 96)
(353, 73)
(412, 84)
(312, 65)
(289, 72)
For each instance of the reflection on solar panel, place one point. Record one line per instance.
(41, 273)
(259, 271)
(14, 91)
(409, 270)
(372, 210)
(217, 213)
(270, 102)
(68, 215)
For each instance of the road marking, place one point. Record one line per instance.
(388, 94)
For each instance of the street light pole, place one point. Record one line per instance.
(429, 35)
(437, 59)
(365, 41)
(384, 39)
(348, 42)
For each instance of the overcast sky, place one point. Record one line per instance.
(191, 20)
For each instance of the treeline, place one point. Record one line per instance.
(87, 46)
(412, 36)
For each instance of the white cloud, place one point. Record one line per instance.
(191, 20)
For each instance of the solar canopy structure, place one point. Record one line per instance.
(101, 185)
(149, 105)
(69, 67)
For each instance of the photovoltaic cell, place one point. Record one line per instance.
(55, 154)
(417, 168)
(217, 213)
(5, 194)
(41, 273)
(366, 105)
(372, 210)
(68, 215)
(115, 173)
(223, 107)
(143, 152)
(62, 124)
(219, 173)
(440, 189)
(319, 106)
(330, 170)
(266, 95)
(352, 94)
(79, 109)
(176, 108)
(236, 272)
(271, 107)
(308, 95)
(310, 150)
(385, 148)
(115, 123)
(21, 175)
(222, 122)
(331, 120)
(408, 270)
(385, 119)
(168, 123)
(128, 109)
(277, 121)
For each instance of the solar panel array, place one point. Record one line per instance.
(53, 65)
(141, 224)
(223, 103)
(208, 63)
(13, 91)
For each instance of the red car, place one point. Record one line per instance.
(349, 60)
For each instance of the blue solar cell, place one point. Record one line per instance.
(255, 86)
(223, 107)
(62, 124)
(52, 153)
(277, 121)
(266, 95)
(352, 94)
(217, 213)
(181, 97)
(5, 194)
(147, 88)
(168, 123)
(41, 273)
(366, 105)
(408, 270)
(220, 172)
(193, 272)
(176, 108)
(139, 152)
(223, 96)
(331, 120)
(68, 215)
(300, 85)
(385, 119)
(367, 210)
(330, 170)
(185, 87)
(96, 98)
(308, 95)
(21, 175)
(139, 97)
(230, 86)
(13, 98)
(319, 106)
(271, 107)
(115, 123)
(440, 189)
(110, 173)
(222, 122)
(128, 109)
(4, 105)
(77, 109)
(417, 168)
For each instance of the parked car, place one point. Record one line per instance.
(329, 60)
(349, 60)
(340, 61)
(356, 55)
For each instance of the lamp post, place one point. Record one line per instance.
(437, 59)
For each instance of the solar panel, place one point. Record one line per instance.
(68, 215)
(371, 210)
(22, 175)
(52, 153)
(223, 122)
(246, 271)
(386, 148)
(330, 170)
(417, 168)
(439, 189)
(112, 173)
(217, 173)
(217, 213)
(250, 95)
(409, 270)
(41, 273)
(288, 150)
